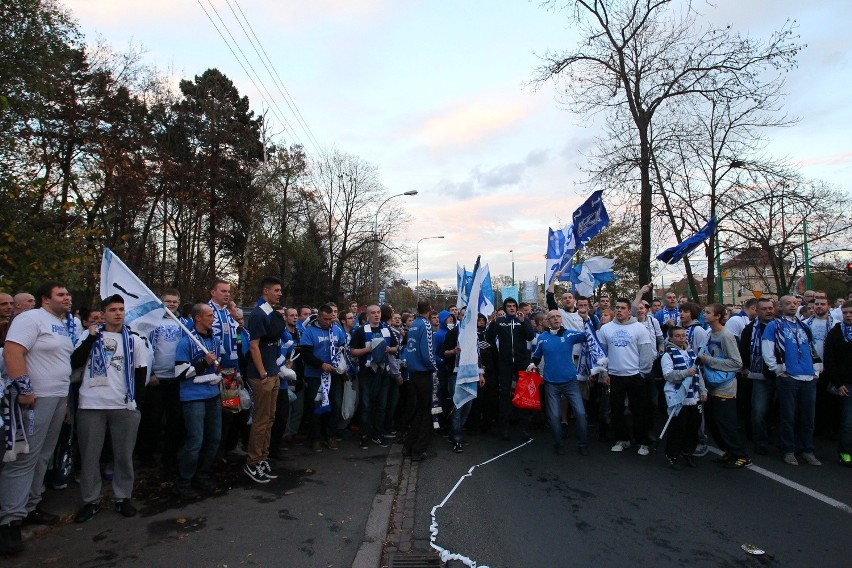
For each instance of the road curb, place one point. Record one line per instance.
(370, 551)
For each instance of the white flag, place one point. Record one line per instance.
(143, 310)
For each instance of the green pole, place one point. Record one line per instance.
(733, 292)
(719, 282)
(807, 259)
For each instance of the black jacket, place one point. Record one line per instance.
(512, 336)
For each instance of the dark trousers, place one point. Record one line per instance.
(636, 390)
(373, 401)
(721, 419)
(682, 435)
(161, 400)
(420, 434)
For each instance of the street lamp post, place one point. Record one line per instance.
(417, 263)
(376, 241)
(512, 251)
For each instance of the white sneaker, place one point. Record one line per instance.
(620, 446)
(643, 450)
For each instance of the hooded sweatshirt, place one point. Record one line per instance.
(438, 339)
(628, 346)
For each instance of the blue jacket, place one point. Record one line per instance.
(316, 340)
(797, 358)
(420, 347)
(438, 337)
(557, 350)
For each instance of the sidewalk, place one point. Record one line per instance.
(329, 508)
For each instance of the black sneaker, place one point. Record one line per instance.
(457, 448)
(39, 517)
(363, 443)
(125, 508)
(738, 463)
(256, 473)
(673, 463)
(267, 470)
(688, 459)
(10, 538)
(88, 511)
(379, 441)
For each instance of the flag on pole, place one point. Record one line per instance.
(560, 250)
(463, 281)
(467, 372)
(674, 254)
(591, 274)
(590, 218)
(143, 310)
(486, 294)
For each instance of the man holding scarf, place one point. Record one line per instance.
(373, 344)
(321, 347)
(762, 379)
(116, 369)
(198, 373)
(668, 315)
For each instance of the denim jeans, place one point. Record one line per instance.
(846, 422)
(571, 391)
(203, 427)
(458, 416)
(797, 400)
(762, 393)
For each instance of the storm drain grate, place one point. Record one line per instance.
(402, 560)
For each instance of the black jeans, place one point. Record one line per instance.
(721, 419)
(635, 389)
(682, 435)
(420, 434)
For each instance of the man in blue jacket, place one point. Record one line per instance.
(556, 347)
(788, 351)
(420, 357)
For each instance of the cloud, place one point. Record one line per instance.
(481, 180)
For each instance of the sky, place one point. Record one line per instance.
(437, 94)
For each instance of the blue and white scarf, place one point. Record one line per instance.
(795, 326)
(227, 348)
(593, 359)
(846, 332)
(17, 426)
(71, 326)
(325, 379)
(98, 363)
(756, 363)
(669, 314)
(687, 393)
(436, 402)
(829, 323)
(377, 356)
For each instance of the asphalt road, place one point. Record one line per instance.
(313, 515)
(534, 508)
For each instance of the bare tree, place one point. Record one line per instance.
(639, 56)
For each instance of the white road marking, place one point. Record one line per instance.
(433, 528)
(793, 485)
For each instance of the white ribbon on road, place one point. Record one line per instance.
(433, 528)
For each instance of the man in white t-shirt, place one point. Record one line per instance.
(116, 368)
(38, 361)
(631, 353)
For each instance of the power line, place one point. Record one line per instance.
(273, 106)
(276, 78)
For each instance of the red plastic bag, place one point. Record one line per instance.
(527, 391)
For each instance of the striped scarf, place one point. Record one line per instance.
(225, 328)
(795, 326)
(829, 322)
(670, 314)
(98, 365)
(846, 332)
(325, 379)
(756, 363)
(71, 326)
(593, 358)
(682, 363)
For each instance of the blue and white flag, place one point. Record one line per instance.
(560, 250)
(590, 218)
(467, 371)
(673, 254)
(591, 274)
(463, 277)
(486, 295)
(143, 310)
